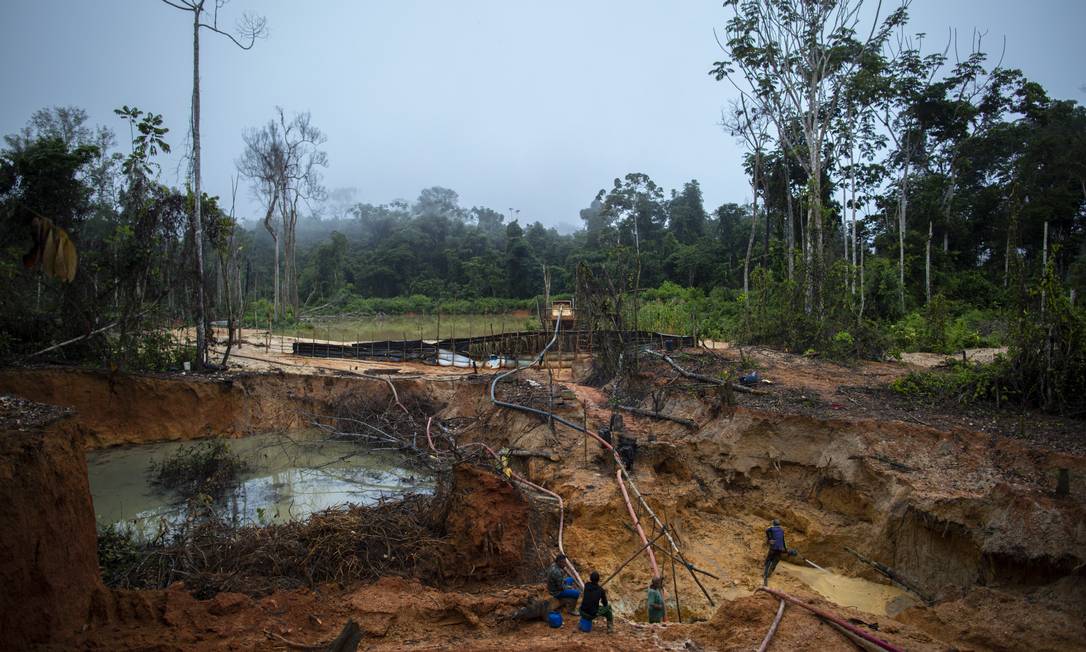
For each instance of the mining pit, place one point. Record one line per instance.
(969, 518)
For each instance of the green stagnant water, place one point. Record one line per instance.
(290, 476)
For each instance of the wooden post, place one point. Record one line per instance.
(674, 577)
(585, 407)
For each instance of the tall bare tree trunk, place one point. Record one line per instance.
(790, 225)
(852, 210)
(927, 266)
(1044, 266)
(197, 219)
(753, 221)
(862, 295)
(276, 307)
(902, 207)
(750, 248)
(844, 236)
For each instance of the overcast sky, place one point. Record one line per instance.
(513, 104)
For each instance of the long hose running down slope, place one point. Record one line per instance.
(621, 473)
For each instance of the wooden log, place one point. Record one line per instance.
(545, 453)
(656, 415)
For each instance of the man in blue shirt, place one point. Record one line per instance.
(774, 538)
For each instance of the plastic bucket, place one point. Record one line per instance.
(554, 619)
(585, 625)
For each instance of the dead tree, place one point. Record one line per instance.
(249, 29)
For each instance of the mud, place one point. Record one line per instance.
(970, 517)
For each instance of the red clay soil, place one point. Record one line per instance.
(957, 510)
(484, 524)
(48, 549)
(139, 408)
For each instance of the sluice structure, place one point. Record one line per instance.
(508, 347)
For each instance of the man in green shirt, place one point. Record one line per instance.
(656, 600)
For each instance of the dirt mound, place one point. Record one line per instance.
(487, 526)
(48, 552)
(992, 619)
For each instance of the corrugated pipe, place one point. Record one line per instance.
(889, 647)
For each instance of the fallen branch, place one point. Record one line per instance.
(72, 341)
(705, 379)
(656, 415)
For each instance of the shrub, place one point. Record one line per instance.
(118, 552)
(842, 346)
(207, 468)
(962, 382)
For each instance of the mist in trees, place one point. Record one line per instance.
(896, 181)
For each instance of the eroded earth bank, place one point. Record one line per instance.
(971, 519)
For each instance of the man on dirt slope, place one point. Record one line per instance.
(774, 538)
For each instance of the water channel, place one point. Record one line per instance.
(289, 476)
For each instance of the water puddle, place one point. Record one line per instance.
(872, 597)
(290, 477)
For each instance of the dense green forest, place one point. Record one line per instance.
(904, 198)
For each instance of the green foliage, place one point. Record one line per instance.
(964, 383)
(842, 345)
(1047, 343)
(945, 326)
(206, 468)
(150, 350)
(118, 552)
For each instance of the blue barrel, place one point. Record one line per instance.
(585, 625)
(554, 619)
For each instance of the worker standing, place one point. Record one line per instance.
(656, 600)
(774, 537)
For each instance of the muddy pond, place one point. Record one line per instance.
(289, 476)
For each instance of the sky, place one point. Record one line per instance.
(531, 106)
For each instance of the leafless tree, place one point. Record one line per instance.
(283, 161)
(248, 29)
(301, 183)
(263, 163)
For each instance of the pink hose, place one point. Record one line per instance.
(889, 647)
(637, 524)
